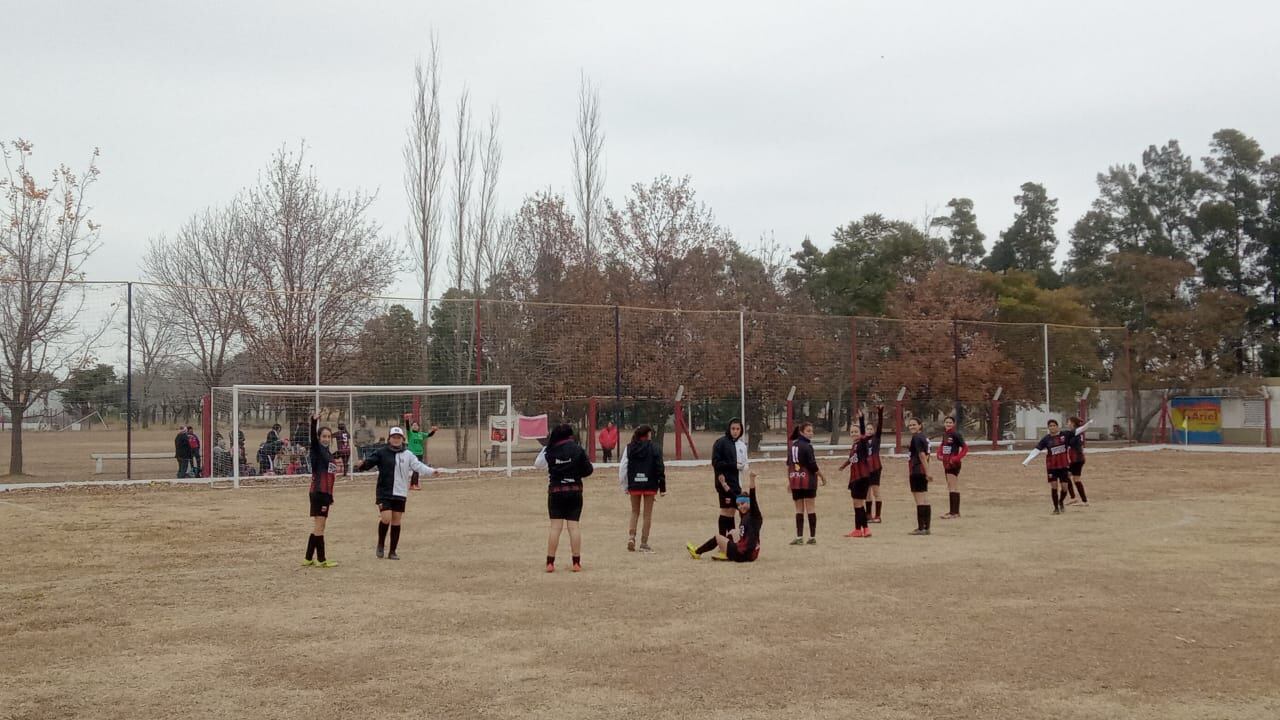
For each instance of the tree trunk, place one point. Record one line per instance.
(15, 439)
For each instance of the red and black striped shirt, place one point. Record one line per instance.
(1058, 455)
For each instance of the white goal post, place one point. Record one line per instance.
(347, 396)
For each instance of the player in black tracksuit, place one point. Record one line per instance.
(643, 477)
(566, 464)
(728, 478)
(323, 473)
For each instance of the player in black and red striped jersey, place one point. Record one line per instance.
(874, 466)
(860, 472)
(323, 473)
(1075, 448)
(951, 451)
(918, 475)
(1057, 461)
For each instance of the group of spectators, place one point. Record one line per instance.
(277, 454)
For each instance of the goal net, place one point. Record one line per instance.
(272, 426)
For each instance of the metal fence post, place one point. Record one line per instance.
(128, 384)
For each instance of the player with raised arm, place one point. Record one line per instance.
(1057, 461)
(803, 477)
(727, 473)
(918, 475)
(642, 477)
(742, 544)
(862, 470)
(417, 442)
(566, 464)
(395, 465)
(323, 473)
(1075, 448)
(951, 451)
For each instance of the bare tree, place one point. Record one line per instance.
(464, 162)
(154, 330)
(315, 259)
(588, 165)
(486, 223)
(424, 163)
(46, 238)
(200, 274)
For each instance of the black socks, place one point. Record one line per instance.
(877, 513)
(955, 503)
(726, 525)
(707, 546)
(311, 546)
(395, 538)
(813, 524)
(382, 534)
(1069, 489)
(923, 513)
(1080, 488)
(577, 559)
(1057, 502)
(319, 547)
(859, 517)
(551, 559)
(799, 524)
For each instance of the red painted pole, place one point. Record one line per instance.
(1129, 382)
(679, 430)
(1083, 411)
(591, 429)
(853, 371)
(897, 427)
(791, 421)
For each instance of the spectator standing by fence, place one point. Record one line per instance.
(193, 442)
(182, 452)
(608, 437)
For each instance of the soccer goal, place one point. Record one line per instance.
(261, 433)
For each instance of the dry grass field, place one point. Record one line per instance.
(1161, 601)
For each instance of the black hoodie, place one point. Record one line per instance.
(644, 467)
(565, 461)
(724, 459)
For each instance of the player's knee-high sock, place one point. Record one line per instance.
(859, 517)
(382, 534)
(1080, 489)
(813, 524)
(707, 546)
(866, 505)
(955, 502)
(877, 513)
(320, 548)
(395, 538)
(1069, 489)
(799, 524)
(311, 546)
(1054, 491)
(928, 516)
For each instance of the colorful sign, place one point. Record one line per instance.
(1196, 420)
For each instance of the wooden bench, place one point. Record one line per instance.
(99, 457)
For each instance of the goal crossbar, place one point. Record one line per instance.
(350, 391)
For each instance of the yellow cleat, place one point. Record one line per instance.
(693, 551)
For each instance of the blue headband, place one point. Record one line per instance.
(744, 499)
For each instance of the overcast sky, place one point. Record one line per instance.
(791, 118)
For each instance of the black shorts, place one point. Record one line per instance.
(858, 488)
(874, 478)
(565, 506)
(809, 494)
(394, 504)
(1060, 475)
(320, 503)
(732, 554)
(728, 499)
(919, 483)
(952, 469)
(1077, 468)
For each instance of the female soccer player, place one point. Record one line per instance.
(874, 466)
(1057, 461)
(742, 544)
(1075, 448)
(566, 464)
(343, 453)
(918, 476)
(417, 441)
(860, 464)
(643, 477)
(803, 477)
(395, 465)
(323, 472)
(951, 451)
